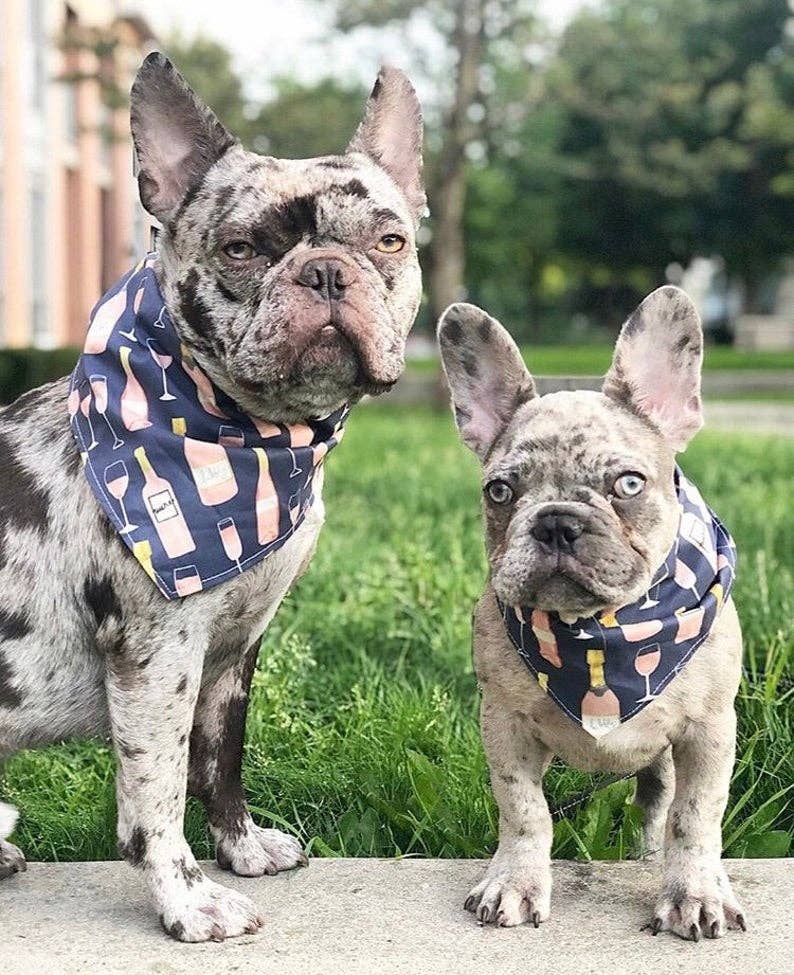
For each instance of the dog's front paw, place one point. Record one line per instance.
(701, 905)
(12, 860)
(260, 851)
(508, 896)
(206, 911)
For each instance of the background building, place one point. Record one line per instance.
(70, 220)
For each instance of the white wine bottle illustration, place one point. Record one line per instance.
(134, 405)
(267, 507)
(600, 706)
(206, 394)
(104, 321)
(209, 465)
(163, 508)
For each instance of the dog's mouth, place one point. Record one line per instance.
(561, 586)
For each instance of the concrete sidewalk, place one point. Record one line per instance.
(376, 917)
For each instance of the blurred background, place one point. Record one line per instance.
(578, 155)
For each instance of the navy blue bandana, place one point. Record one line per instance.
(603, 670)
(198, 490)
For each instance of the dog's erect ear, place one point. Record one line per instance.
(656, 367)
(486, 374)
(177, 138)
(391, 134)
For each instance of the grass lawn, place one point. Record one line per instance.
(594, 360)
(362, 734)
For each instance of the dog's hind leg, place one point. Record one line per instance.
(152, 683)
(216, 751)
(654, 793)
(12, 860)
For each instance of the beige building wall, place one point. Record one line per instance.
(69, 215)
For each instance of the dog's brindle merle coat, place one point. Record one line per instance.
(278, 281)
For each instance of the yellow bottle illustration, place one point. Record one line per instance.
(163, 509)
(600, 706)
(143, 553)
(267, 507)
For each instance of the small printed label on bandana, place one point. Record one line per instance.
(603, 670)
(198, 490)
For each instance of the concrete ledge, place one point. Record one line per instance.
(359, 917)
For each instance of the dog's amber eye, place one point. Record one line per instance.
(239, 250)
(629, 485)
(499, 492)
(390, 244)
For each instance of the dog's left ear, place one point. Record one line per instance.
(486, 374)
(177, 138)
(391, 134)
(656, 368)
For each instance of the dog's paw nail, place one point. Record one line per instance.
(500, 920)
(216, 933)
(470, 903)
(656, 926)
(715, 928)
(303, 860)
(536, 918)
(485, 915)
(694, 932)
(741, 922)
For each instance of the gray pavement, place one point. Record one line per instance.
(379, 917)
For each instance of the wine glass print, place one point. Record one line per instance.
(159, 322)
(99, 385)
(85, 409)
(136, 304)
(163, 360)
(187, 580)
(73, 402)
(645, 663)
(230, 538)
(117, 480)
(231, 436)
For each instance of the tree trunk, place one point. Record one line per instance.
(447, 247)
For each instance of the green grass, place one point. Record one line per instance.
(594, 360)
(363, 735)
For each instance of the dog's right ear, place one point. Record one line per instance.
(177, 138)
(486, 374)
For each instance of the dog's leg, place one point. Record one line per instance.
(697, 896)
(152, 689)
(517, 884)
(216, 750)
(654, 793)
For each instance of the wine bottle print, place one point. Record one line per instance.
(209, 466)
(267, 506)
(206, 395)
(134, 405)
(164, 511)
(99, 385)
(104, 321)
(600, 706)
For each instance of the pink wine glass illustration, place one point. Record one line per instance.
(231, 436)
(294, 506)
(85, 409)
(230, 539)
(136, 304)
(295, 469)
(163, 360)
(99, 384)
(187, 580)
(117, 480)
(159, 322)
(73, 403)
(645, 663)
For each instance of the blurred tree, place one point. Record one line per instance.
(479, 38)
(678, 136)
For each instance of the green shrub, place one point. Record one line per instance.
(24, 369)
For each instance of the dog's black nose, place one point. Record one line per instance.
(557, 531)
(328, 277)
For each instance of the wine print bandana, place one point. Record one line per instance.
(602, 670)
(198, 490)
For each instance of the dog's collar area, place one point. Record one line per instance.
(604, 669)
(197, 489)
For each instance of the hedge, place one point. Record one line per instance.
(23, 369)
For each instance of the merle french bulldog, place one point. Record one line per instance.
(292, 284)
(582, 647)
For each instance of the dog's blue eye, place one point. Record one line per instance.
(629, 485)
(499, 492)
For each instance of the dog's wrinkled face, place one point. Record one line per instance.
(580, 504)
(293, 282)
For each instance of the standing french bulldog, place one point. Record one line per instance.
(606, 634)
(283, 291)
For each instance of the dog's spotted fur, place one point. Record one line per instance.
(87, 643)
(561, 453)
